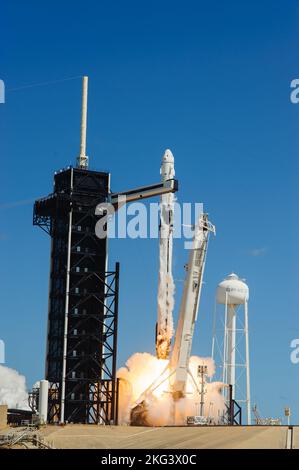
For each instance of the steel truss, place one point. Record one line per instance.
(83, 302)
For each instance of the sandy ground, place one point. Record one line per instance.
(296, 437)
(130, 437)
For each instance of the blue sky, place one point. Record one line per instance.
(211, 82)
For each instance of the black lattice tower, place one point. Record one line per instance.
(83, 301)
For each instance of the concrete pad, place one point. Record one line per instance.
(130, 437)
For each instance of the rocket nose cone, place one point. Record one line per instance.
(168, 157)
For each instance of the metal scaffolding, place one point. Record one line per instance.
(83, 301)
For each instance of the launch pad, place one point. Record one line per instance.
(81, 378)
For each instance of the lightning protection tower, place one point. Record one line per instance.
(83, 296)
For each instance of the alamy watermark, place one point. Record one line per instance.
(294, 356)
(154, 220)
(2, 92)
(294, 95)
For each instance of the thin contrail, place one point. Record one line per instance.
(32, 85)
(22, 202)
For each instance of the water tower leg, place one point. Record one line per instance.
(247, 366)
(231, 348)
(213, 355)
(224, 371)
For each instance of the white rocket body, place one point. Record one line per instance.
(164, 327)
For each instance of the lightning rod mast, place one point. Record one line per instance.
(82, 160)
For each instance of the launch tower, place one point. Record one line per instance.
(83, 296)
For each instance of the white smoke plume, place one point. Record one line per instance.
(13, 389)
(142, 369)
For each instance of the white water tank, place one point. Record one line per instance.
(234, 288)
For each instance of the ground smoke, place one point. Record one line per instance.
(12, 388)
(142, 369)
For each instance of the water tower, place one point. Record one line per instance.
(230, 346)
